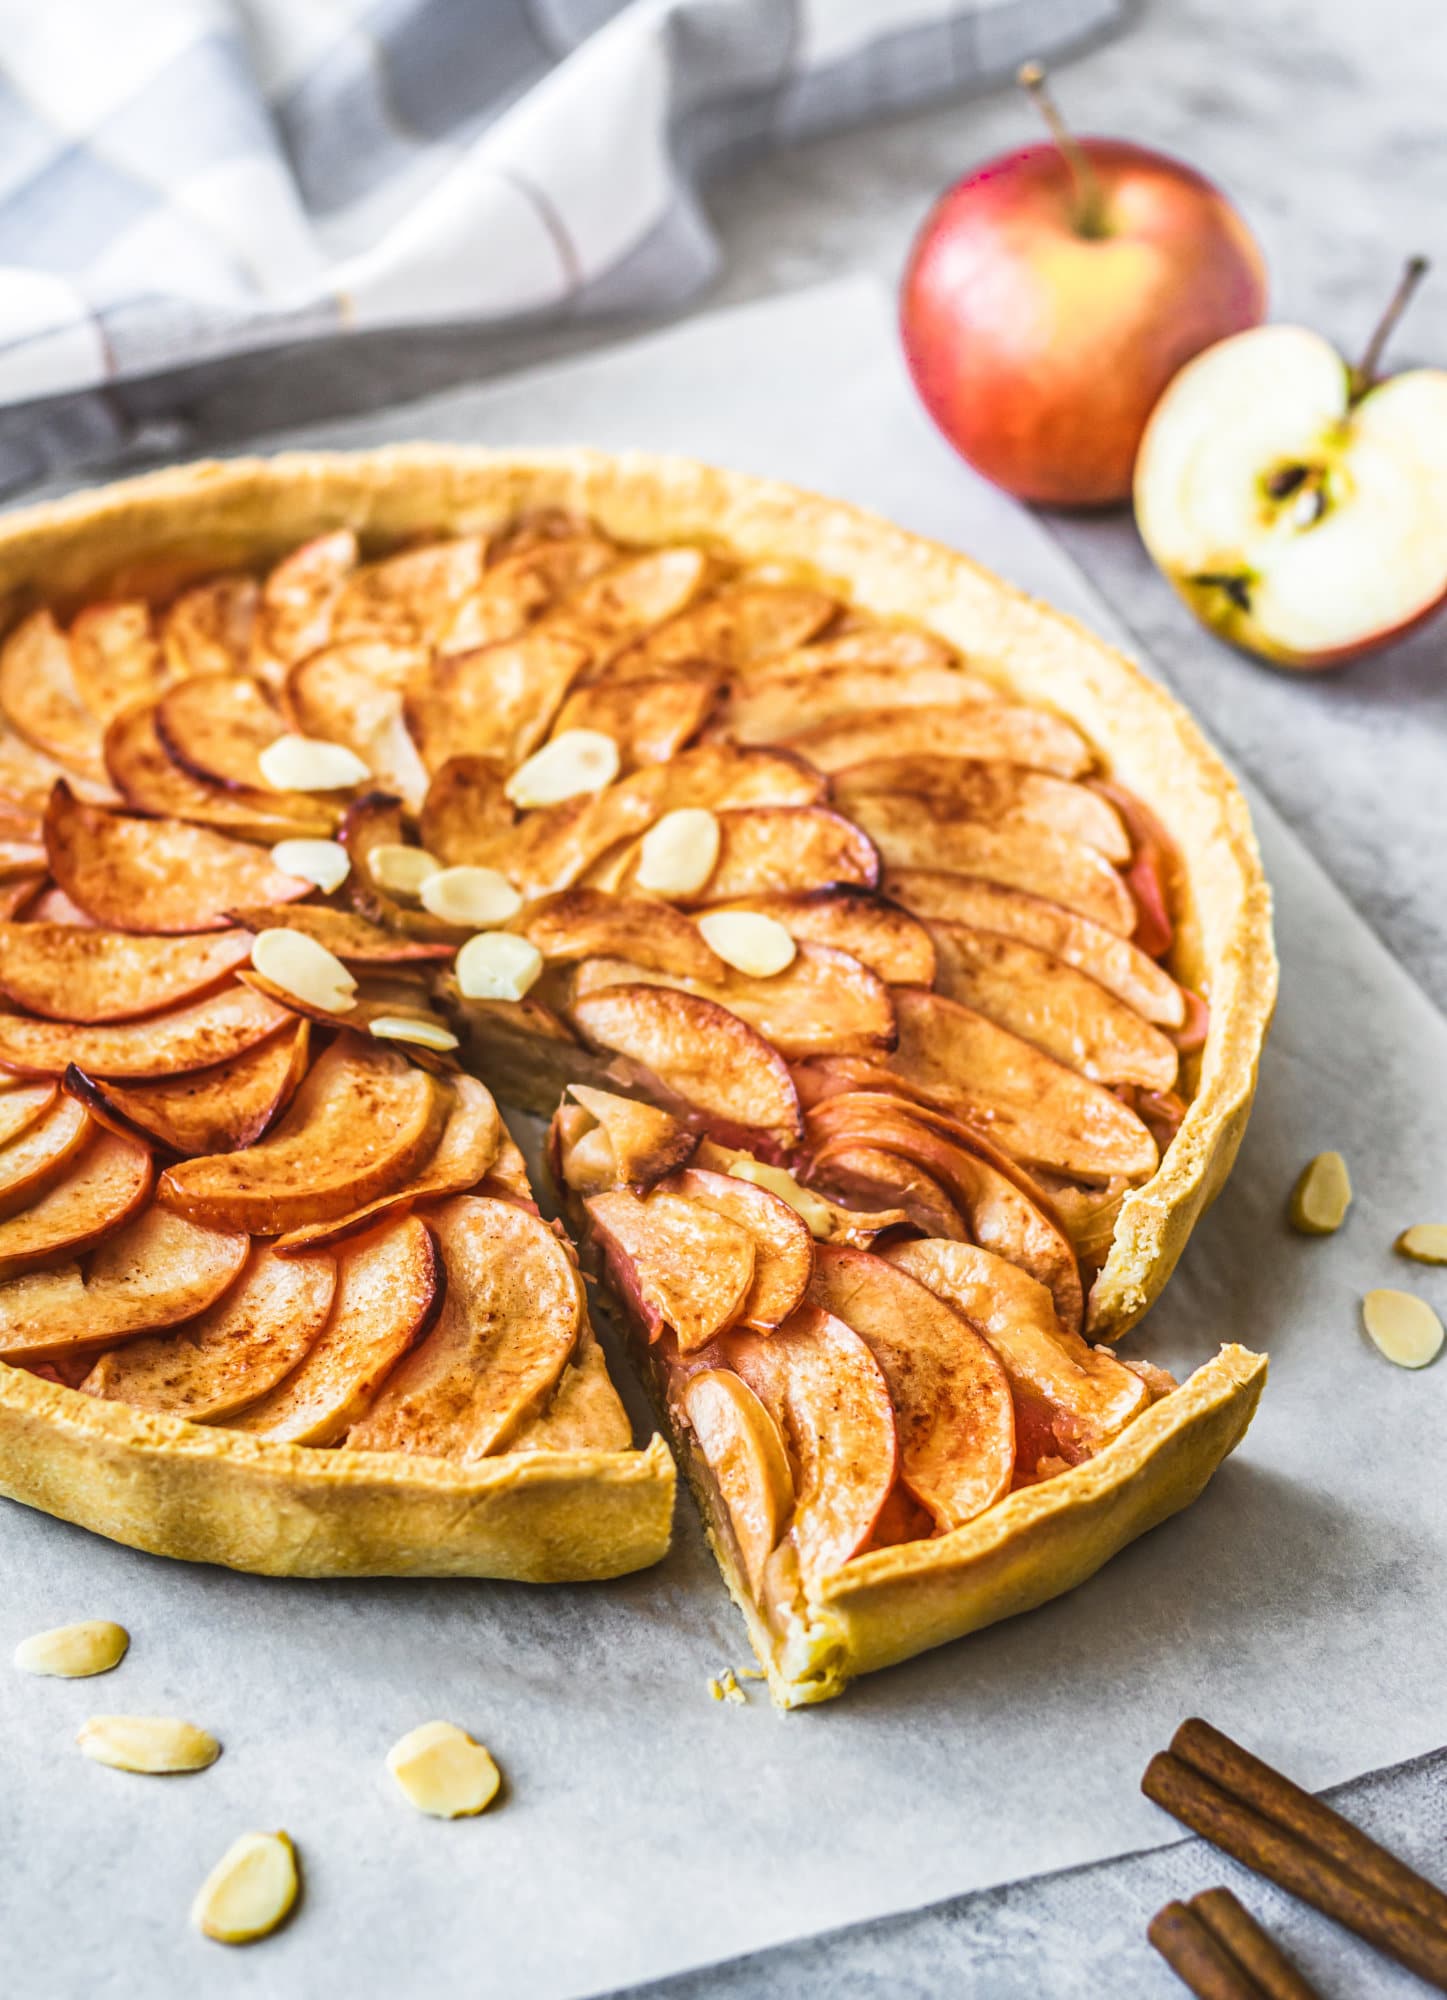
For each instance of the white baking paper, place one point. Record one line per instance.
(645, 1827)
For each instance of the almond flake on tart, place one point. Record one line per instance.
(892, 958)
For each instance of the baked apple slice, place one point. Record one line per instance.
(772, 707)
(994, 794)
(377, 820)
(106, 1182)
(783, 1246)
(354, 939)
(156, 1271)
(631, 596)
(209, 1031)
(885, 939)
(766, 849)
(989, 730)
(21, 1104)
(148, 779)
(466, 810)
(297, 602)
(743, 1449)
(826, 1220)
(353, 695)
(41, 702)
(744, 622)
(231, 1352)
(216, 726)
(116, 657)
(615, 1142)
(522, 583)
(40, 1152)
(496, 702)
(847, 1162)
(208, 628)
(650, 720)
(411, 597)
(895, 646)
(94, 976)
(679, 1263)
(586, 923)
(215, 1109)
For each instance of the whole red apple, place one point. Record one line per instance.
(1053, 293)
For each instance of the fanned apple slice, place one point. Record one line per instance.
(297, 602)
(524, 581)
(354, 939)
(873, 646)
(233, 1352)
(156, 875)
(743, 623)
(361, 1125)
(377, 820)
(993, 793)
(208, 628)
(497, 702)
(466, 1151)
(649, 720)
(105, 1184)
(22, 1105)
(582, 923)
(1097, 1394)
(216, 726)
(679, 1263)
(1029, 857)
(509, 1325)
(155, 1271)
(1109, 959)
(886, 939)
(743, 1448)
(36, 1156)
(466, 809)
(616, 1142)
(411, 597)
(848, 1162)
(770, 707)
(228, 1104)
(698, 1054)
(389, 1291)
(149, 780)
(827, 1221)
(991, 731)
(28, 776)
(68, 974)
(207, 1031)
(345, 694)
(584, 1412)
(115, 657)
(382, 998)
(1049, 1003)
(783, 1246)
(783, 849)
(951, 1396)
(41, 701)
(828, 1395)
(632, 596)
(730, 776)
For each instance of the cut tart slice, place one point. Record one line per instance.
(903, 954)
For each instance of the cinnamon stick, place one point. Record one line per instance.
(1197, 1959)
(1288, 1859)
(1253, 1948)
(1214, 1754)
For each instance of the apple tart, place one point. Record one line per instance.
(895, 957)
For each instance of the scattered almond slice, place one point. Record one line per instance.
(498, 965)
(1404, 1327)
(443, 1771)
(679, 853)
(156, 1745)
(751, 943)
(578, 760)
(400, 869)
(299, 965)
(249, 1891)
(1424, 1242)
(74, 1652)
(325, 862)
(401, 1028)
(466, 895)
(1322, 1196)
(310, 764)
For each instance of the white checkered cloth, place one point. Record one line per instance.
(183, 180)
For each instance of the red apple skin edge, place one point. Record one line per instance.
(1038, 349)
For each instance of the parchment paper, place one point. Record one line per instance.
(646, 1827)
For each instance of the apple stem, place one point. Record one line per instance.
(1089, 201)
(1365, 372)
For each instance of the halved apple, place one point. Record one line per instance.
(618, 1142)
(1049, 1003)
(157, 1270)
(771, 707)
(68, 974)
(148, 779)
(827, 1393)
(361, 1124)
(354, 939)
(216, 726)
(115, 657)
(156, 875)
(994, 794)
(783, 1246)
(1023, 856)
(951, 1396)
(339, 696)
(227, 1104)
(743, 1448)
(233, 1352)
(700, 1055)
(649, 720)
(581, 923)
(741, 623)
(989, 730)
(38, 1151)
(184, 1038)
(884, 938)
(496, 702)
(106, 1182)
(509, 1325)
(40, 700)
(1109, 959)
(389, 1291)
(208, 628)
(679, 1263)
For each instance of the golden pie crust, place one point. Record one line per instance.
(198, 1493)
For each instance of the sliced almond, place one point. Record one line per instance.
(679, 853)
(249, 1891)
(1403, 1326)
(324, 862)
(300, 966)
(818, 1214)
(443, 1771)
(749, 942)
(498, 965)
(1322, 1196)
(153, 1744)
(578, 760)
(476, 896)
(401, 869)
(73, 1652)
(310, 764)
(1424, 1242)
(424, 1034)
